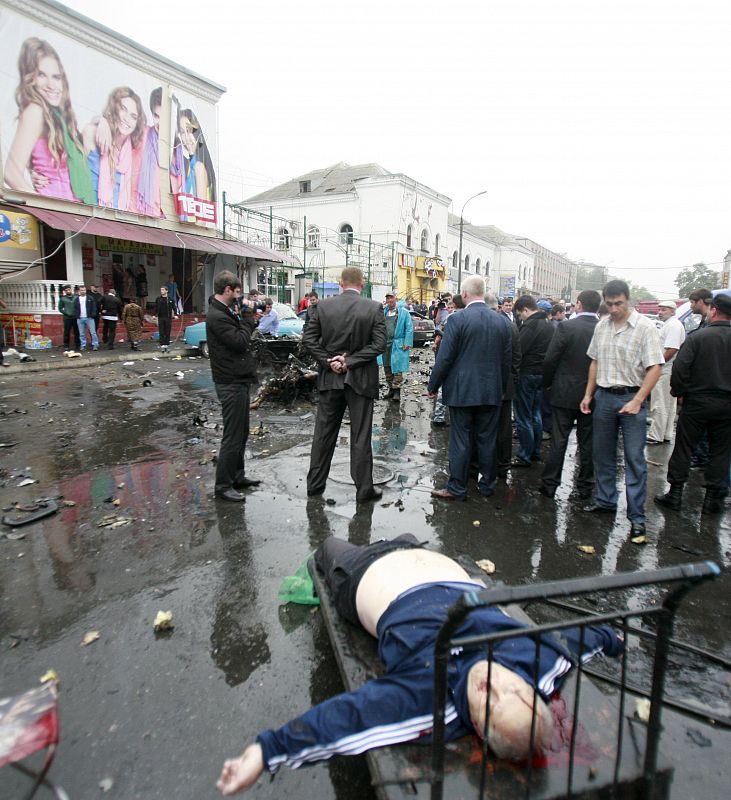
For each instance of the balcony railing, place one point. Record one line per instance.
(31, 297)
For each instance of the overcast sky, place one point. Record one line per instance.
(599, 128)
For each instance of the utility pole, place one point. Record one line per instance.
(461, 230)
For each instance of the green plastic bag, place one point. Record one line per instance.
(299, 588)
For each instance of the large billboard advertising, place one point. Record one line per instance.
(192, 171)
(79, 125)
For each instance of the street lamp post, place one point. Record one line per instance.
(461, 231)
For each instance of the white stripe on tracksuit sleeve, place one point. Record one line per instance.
(382, 712)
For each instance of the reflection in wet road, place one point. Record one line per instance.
(158, 715)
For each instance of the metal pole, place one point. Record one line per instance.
(461, 229)
(459, 260)
(369, 266)
(223, 195)
(304, 247)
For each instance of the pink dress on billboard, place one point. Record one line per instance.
(57, 173)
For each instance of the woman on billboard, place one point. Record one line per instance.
(191, 169)
(146, 198)
(46, 156)
(114, 169)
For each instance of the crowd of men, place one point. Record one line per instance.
(546, 367)
(88, 312)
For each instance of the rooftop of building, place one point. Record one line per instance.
(340, 178)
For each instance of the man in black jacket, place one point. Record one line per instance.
(535, 334)
(565, 371)
(701, 376)
(234, 369)
(345, 334)
(111, 308)
(165, 313)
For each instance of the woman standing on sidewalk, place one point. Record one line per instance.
(133, 318)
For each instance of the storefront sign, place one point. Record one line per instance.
(193, 209)
(18, 232)
(108, 244)
(432, 266)
(25, 325)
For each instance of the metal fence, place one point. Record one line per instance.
(626, 765)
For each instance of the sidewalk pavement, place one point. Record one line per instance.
(55, 358)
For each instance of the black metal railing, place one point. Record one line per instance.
(677, 580)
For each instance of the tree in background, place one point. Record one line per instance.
(640, 293)
(699, 276)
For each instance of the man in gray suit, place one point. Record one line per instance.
(473, 368)
(345, 334)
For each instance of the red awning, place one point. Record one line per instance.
(99, 226)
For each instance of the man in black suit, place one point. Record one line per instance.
(233, 368)
(565, 371)
(345, 334)
(472, 367)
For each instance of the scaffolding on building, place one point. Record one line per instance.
(306, 247)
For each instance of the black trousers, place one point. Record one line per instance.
(164, 324)
(110, 331)
(505, 435)
(330, 410)
(70, 326)
(343, 565)
(698, 414)
(563, 420)
(234, 398)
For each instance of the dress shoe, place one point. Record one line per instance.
(518, 462)
(673, 499)
(438, 423)
(389, 394)
(231, 495)
(445, 494)
(595, 508)
(547, 491)
(396, 396)
(245, 483)
(374, 494)
(637, 529)
(316, 492)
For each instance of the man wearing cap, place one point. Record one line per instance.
(399, 340)
(701, 376)
(662, 404)
(626, 359)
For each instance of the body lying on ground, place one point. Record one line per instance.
(401, 593)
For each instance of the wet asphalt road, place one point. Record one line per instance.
(156, 715)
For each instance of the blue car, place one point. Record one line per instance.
(289, 325)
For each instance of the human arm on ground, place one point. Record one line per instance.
(382, 712)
